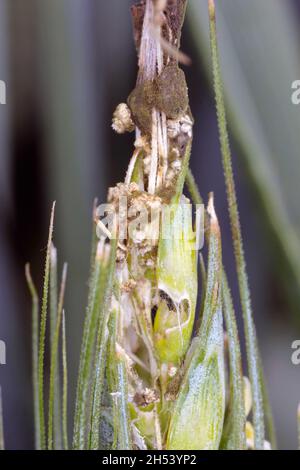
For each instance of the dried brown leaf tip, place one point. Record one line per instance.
(212, 9)
(214, 224)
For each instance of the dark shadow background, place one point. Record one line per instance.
(67, 64)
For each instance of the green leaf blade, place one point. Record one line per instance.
(53, 317)
(52, 429)
(106, 281)
(234, 430)
(42, 338)
(118, 386)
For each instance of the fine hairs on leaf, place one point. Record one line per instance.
(42, 431)
(111, 360)
(117, 381)
(125, 442)
(118, 386)
(193, 188)
(53, 317)
(53, 297)
(54, 363)
(81, 427)
(101, 287)
(106, 282)
(269, 419)
(234, 428)
(87, 331)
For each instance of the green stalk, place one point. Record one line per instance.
(94, 240)
(106, 282)
(53, 291)
(250, 333)
(193, 188)
(270, 426)
(43, 336)
(54, 362)
(53, 317)
(1, 423)
(65, 385)
(183, 174)
(111, 360)
(234, 430)
(35, 353)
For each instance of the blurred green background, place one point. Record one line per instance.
(67, 64)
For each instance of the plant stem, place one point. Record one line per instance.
(193, 188)
(53, 318)
(270, 426)
(43, 336)
(235, 438)
(54, 361)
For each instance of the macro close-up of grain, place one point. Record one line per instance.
(149, 235)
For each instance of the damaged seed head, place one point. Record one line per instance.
(168, 93)
(172, 92)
